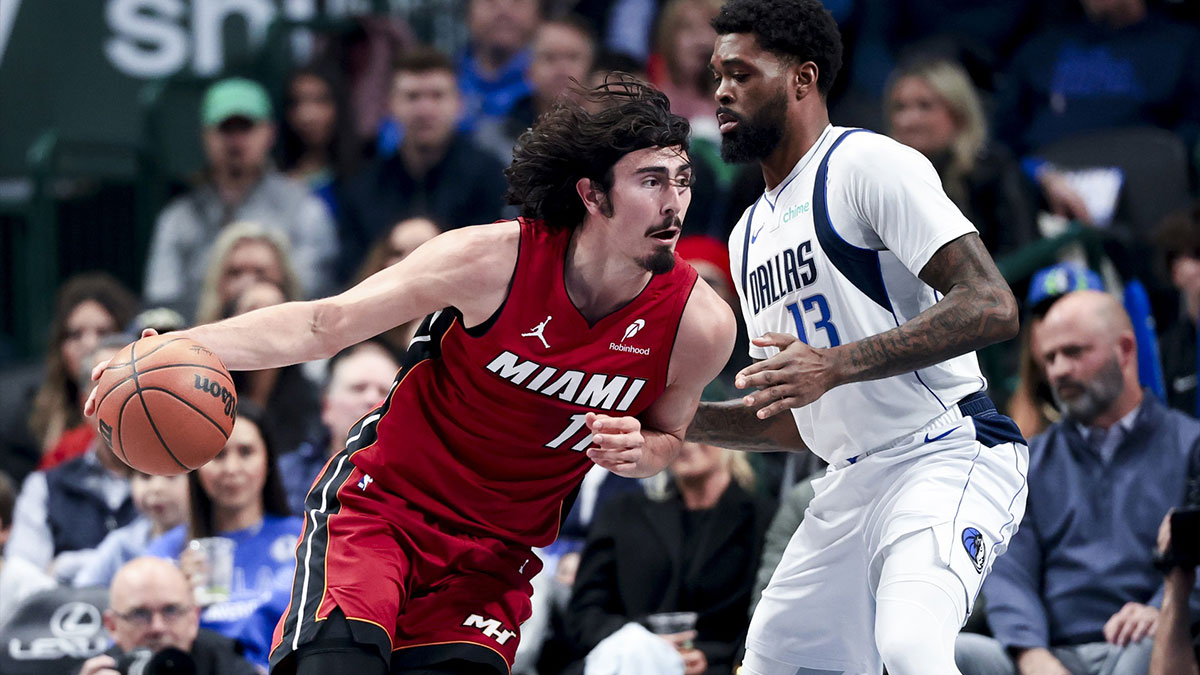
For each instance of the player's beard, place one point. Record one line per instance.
(1095, 397)
(662, 260)
(755, 136)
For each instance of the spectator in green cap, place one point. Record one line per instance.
(235, 98)
(239, 183)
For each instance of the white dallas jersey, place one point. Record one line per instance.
(831, 255)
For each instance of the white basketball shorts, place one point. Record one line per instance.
(962, 476)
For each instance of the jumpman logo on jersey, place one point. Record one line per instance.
(538, 330)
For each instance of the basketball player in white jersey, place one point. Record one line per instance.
(867, 291)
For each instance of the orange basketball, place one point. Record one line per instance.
(165, 405)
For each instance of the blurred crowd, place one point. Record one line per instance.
(1061, 128)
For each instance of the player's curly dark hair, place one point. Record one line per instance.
(790, 29)
(584, 140)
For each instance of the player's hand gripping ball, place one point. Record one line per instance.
(165, 405)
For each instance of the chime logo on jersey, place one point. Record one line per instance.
(795, 211)
(591, 390)
(973, 541)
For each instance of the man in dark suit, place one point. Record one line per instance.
(694, 549)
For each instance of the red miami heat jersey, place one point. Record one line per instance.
(484, 427)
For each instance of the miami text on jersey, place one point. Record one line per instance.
(591, 390)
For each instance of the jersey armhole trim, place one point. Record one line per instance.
(666, 370)
(860, 266)
(746, 245)
(821, 190)
(746, 272)
(481, 329)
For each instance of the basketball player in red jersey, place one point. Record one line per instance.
(569, 337)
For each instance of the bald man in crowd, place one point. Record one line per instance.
(151, 607)
(1077, 591)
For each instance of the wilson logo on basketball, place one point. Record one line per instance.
(106, 433)
(217, 391)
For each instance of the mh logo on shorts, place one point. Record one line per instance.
(973, 541)
(489, 627)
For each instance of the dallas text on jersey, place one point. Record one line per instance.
(788, 271)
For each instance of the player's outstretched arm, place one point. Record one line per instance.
(977, 309)
(638, 448)
(467, 268)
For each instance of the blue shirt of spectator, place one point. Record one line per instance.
(299, 469)
(263, 562)
(491, 96)
(1085, 546)
(1089, 76)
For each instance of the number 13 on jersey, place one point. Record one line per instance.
(817, 309)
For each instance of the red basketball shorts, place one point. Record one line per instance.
(419, 592)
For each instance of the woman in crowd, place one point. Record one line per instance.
(251, 269)
(238, 497)
(62, 514)
(694, 549)
(678, 65)
(245, 253)
(683, 44)
(931, 106)
(89, 307)
(317, 142)
(291, 400)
